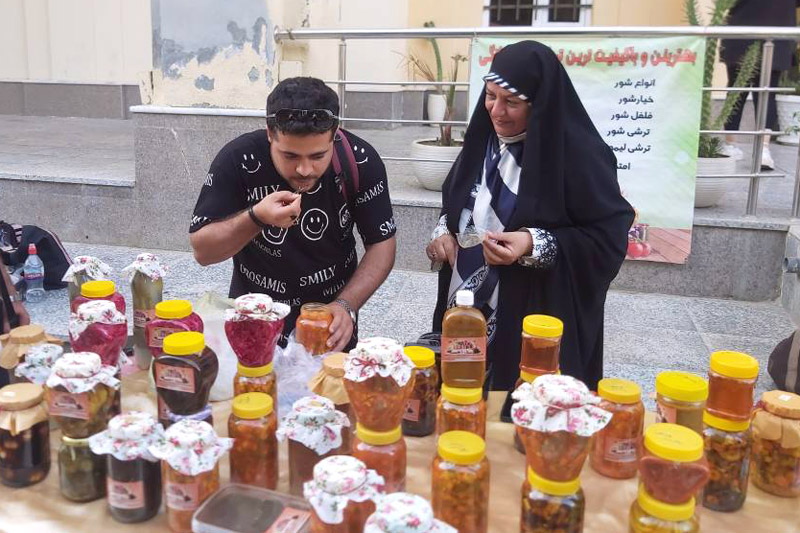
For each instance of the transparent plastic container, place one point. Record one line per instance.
(312, 328)
(551, 507)
(246, 509)
(776, 451)
(541, 344)
(419, 419)
(254, 456)
(256, 379)
(648, 515)
(24, 435)
(146, 293)
(184, 494)
(99, 290)
(385, 453)
(464, 344)
(731, 385)
(185, 372)
(171, 316)
(727, 447)
(681, 399)
(673, 468)
(617, 448)
(461, 410)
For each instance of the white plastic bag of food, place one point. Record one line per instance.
(294, 368)
(211, 307)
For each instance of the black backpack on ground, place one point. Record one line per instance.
(14, 241)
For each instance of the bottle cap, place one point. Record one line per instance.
(252, 405)
(100, 288)
(184, 343)
(173, 309)
(465, 298)
(461, 447)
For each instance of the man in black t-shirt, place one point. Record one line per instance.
(273, 202)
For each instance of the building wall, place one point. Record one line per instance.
(638, 13)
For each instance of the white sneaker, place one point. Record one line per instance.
(732, 151)
(767, 163)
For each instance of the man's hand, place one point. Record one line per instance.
(442, 249)
(279, 209)
(341, 328)
(507, 247)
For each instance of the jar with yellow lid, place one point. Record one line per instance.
(461, 410)
(102, 289)
(776, 444)
(727, 448)
(541, 344)
(419, 418)
(649, 515)
(256, 379)
(329, 383)
(185, 372)
(551, 506)
(617, 448)
(254, 456)
(385, 453)
(171, 316)
(312, 328)
(673, 468)
(24, 435)
(460, 482)
(681, 399)
(731, 385)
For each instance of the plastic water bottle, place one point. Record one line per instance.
(34, 276)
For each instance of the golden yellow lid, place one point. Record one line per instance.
(254, 371)
(682, 386)
(378, 438)
(673, 443)
(554, 488)
(251, 405)
(543, 326)
(462, 396)
(98, 288)
(528, 377)
(461, 447)
(173, 309)
(184, 343)
(619, 390)
(665, 511)
(421, 357)
(734, 365)
(724, 424)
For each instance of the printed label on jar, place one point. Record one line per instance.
(122, 495)
(157, 336)
(621, 450)
(69, 405)
(142, 316)
(183, 496)
(290, 521)
(463, 349)
(174, 378)
(665, 413)
(412, 411)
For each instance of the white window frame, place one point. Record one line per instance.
(540, 13)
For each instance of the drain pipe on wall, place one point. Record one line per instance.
(791, 265)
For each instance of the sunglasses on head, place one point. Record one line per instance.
(322, 119)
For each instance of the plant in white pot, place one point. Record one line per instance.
(789, 105)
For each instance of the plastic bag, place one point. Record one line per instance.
(294, 368)
(211, 307)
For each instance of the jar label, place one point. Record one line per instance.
(122, 495)
(174, 378)
(412, 411)
(183, 496)
(666, 413)
(290, 521)
(142, 316)
(463, 349)
(68, 405)
(157, 336)
(621, 450)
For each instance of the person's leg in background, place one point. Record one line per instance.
(732, 124)
(767, 163)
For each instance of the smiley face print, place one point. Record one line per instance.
(360, 154)
(313, 224)
(251, 165)
(274, 235)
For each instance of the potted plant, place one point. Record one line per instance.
(710, 160)
(789, 105)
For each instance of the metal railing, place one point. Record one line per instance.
(767, 34)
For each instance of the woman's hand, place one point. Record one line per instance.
(443, 248)
(507, 247)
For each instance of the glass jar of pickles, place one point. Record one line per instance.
(81, 472)
(385, 453)
(190, 454)
(727, 448)
(171, 316)
(24, 435)
(329, 383)
(38, 363)
(460, 485)
(617, 448)
(133, 484)
(681, 399)
(551, 506)
(541, 344)
(253, 327)
(315, 429)
(84, 268)
(99, 290)
(403, 512)
(80, 394)
(461, 409)
(419, 419)
(776, 444)
(648, 515)
(673, 468)
(185, 372)
(256, 379)
(312, 328)
(731, 385)
(146, 275)
(98, 327)
(252, 426)
(342, 495)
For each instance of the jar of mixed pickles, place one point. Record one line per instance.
(146, 275)
(133, 483)
(171, 316)
(648, 515)
(617, 448)
(190, 455)
(681, 399)
(252, 426)
(731, 385)
(329, 383)
(460, 485)
(312, 328)
(551, 506)
(461, 409)
(673, 468)
(185, 372)
(385, 453)
(402, 512)
(419, 419)
(256, 379)
(98, 327)
(541, 344)
(80, 394)
(81, 472)
(342, 495)
(776, 444)
(38, 363)
(84, 268)
(315, 429)
(99, 290)
(727, 448)
(253, 327)
(24, 435)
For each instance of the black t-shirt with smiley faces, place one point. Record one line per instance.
(313, 260)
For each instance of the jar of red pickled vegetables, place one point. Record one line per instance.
(171, 316)
(253, 327)
(731, 385)
(617, 448)
(99, 290)
(98, 327)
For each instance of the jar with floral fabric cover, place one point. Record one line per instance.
(80, 394)
(24, 435)
(253, 328)
(776, 444)
(18, 341)
(37, 364)
(190, 455)
(329, 383)
(133, 474)
(315, 430)
(342, 495)
(99, 290)
(146, 276)
(100, 328)
(402, 512)
(84, 268)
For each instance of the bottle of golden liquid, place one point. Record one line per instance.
(463, 344)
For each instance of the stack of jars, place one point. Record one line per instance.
(776, 444)
(379, 379)
(24, 435)
(555, 417)
(146, 275)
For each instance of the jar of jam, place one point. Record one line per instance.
(190, 455)
(329, 383)
(727, 448)
(776, 446)
(185, 372)
(16, 343)
(146, 275)
(342, 495)
(256, 379)
(419, 419)
(460, 485)
(385, 453)
(84, 268)
(98, 327)
(464, 344)
(253, 327)
(81, 472)
(315, 429)
(133, 483)
(171, 316)
(401, 512)
(541, 344)
(80, 394)
(731, 385)
(38, 363)
(99, 290)
(379, 381)
(673, 469)
(649, 515)
(204, 415)
(617, 448)
(551, 506)
(252, 426)
(461, 409)
(24, 435)
(681, 399)
(312, 328)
